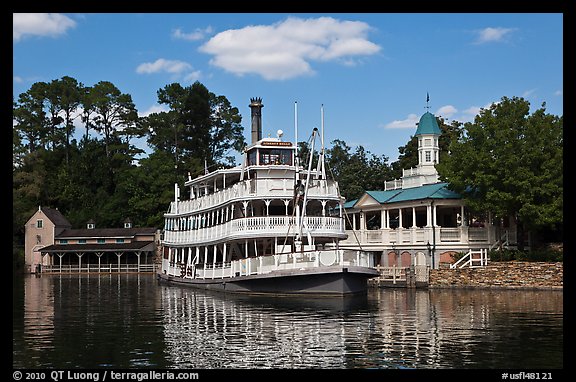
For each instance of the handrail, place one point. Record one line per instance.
(469, 260)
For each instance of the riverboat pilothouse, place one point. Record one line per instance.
(269, 225)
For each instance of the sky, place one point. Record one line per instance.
(371, 73)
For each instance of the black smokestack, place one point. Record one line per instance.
(256, 106)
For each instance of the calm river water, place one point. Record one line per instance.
(131, 321)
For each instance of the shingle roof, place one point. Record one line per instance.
(428, 125)
(427, 191)
(106, 232)
(55, 217)
(94, 247)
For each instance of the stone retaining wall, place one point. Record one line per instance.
(507, 274)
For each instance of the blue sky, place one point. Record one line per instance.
(371, 71)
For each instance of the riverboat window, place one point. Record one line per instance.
(101, 241)
(81, 241)
(252, 158)
(119, 240)
(39, 223)
(63, 241)
(276, 156)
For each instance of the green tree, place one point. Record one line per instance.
(509, 161)
(198, 127)
(113, 110)
(67, 93)
(356, 171)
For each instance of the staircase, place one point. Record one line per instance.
(473, 259)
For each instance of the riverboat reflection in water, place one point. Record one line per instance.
(125, 321)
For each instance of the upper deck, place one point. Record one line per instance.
(269, 171)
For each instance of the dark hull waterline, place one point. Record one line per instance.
(320, 281)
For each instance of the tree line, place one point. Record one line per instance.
(507, 160)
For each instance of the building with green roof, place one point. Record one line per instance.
(417, 219)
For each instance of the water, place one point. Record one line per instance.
(131, 321)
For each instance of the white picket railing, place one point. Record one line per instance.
(255, 227)
(473, 259)
(269, 263)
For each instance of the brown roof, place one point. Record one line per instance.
(106, 232)
(56, 217)
(108, 247)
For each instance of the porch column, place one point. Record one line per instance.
(60, 255)
(434, 215)
(79, 260)
(99, 256)
(386, 219)
(118, 254)
(400, 218)
(413, 217)
(138, 253)
(382, 219)
(428, 216)
(463, 220)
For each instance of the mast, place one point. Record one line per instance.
(296, 161)
(321, 165)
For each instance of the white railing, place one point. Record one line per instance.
(473, 259)
(257, 226)
(421, 235)
(96, 268)
(266, 264)
(253, 188)
(392, 274)
(503, 242)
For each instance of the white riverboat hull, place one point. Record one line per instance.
(318, 281)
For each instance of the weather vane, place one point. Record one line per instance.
(427, 101)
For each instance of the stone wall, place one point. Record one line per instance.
(508, 274)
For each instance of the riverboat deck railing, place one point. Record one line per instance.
(269, 263)
(257, 226)
(271, 188)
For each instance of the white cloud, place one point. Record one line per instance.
(408, 123)
(40, 24)
(163, 65)
(489, 34)
(179, 69)
(473, 110)
(286, 49)
(198, 34)
(446, 111)
(153, 109)
(559, 92)
(528, 93)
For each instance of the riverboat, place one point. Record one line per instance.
(267, 226)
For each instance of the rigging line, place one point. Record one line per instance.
(295, 198)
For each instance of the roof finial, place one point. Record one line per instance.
(427, 102)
